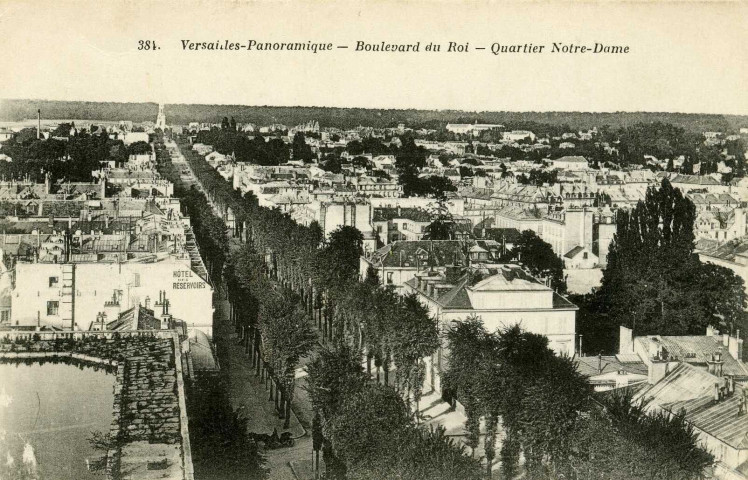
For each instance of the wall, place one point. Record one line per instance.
(558, 325)
(510, 299)
(189, 295)
(603, 236)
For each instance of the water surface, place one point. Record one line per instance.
(52, 409)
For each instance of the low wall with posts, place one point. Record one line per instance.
(149, 394)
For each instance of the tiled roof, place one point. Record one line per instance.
(561, 302)
(574, 252)
(62, 208)
(695, 180)
(509, 235)
(571, 159)
(389, 213)
(729, 250)
(434, 253)
(136, 318)
(696, 349)
(593, 365)
(692, 389)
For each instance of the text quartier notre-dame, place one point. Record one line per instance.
(496, 48)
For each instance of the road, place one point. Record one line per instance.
(248, 394)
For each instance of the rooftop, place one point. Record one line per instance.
(420, 253)
(390, 213)
(692, 389)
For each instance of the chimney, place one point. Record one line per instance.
(452, 273)
(735, 347)
(716, 393)
(710, 331)
(657, 371)
(725, 339)
(625, 340)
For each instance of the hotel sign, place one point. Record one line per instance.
(183, 280)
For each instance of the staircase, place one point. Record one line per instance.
(67, 301)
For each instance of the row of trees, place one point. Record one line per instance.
(274, 325)
(323, 279)
(547, 413)
(365, 430)
(257, 150)
(286, 272)
(183, 114)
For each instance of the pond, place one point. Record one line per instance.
(47, 414)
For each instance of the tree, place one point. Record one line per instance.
(438, 186)
(418, 454)
(331, 163)
(652, 282)
(287, 336)
(361, 162)
(332, 375)
(221, 447)
(339, 261)
(300, 149)
(538, 256)
(364, 423)
(139, 148)
(442, 227)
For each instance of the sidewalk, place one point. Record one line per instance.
(246, 392)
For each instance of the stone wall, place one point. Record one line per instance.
(149, 405)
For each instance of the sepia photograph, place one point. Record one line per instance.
(373, 240)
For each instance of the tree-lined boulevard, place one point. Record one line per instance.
(294, 298)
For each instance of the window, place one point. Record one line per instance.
(5, 316)
(53, 281)
(389, 278)
(584, 255)
(53, 307)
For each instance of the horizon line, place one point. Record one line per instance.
(475, 112)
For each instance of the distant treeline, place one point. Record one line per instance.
(13, 110)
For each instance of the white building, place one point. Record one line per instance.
(504, 299)
(71, 295)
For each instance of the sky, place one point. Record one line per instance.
(684, 57)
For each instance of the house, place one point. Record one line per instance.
(580, 257)
(502, 297)
(395, 223)
(696, 350)
(713, 404)
(607, 372)
(132, 137)
(517, 135)
(732, 254)
(400, 261)
(570, 163)
(71, 295)
(452, 174)
(472, 128)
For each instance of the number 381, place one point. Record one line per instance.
(147, 45)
